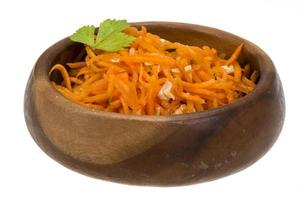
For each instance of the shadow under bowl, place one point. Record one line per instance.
(157, 150)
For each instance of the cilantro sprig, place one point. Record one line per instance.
(109, 37)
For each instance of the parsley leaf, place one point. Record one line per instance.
(85, 35)
(109, 37)
(115, 42)
(108, 27)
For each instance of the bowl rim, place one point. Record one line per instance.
(262, 86)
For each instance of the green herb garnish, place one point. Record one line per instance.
(109, 37)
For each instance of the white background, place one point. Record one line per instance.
(29, 27)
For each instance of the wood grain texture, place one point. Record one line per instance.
(157, 150)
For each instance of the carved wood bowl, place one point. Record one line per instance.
(157, 150)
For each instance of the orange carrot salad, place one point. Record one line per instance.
(154, 76)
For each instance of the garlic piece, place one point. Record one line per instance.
(115, 60)
(131, 51)
(165, 91)
(188, 68)
(180, 110)
(228, 69)
(175, 70)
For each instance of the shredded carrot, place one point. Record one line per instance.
(155, 77)
(64, 74)
(235, 54)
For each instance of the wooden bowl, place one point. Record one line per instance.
(157, 150)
